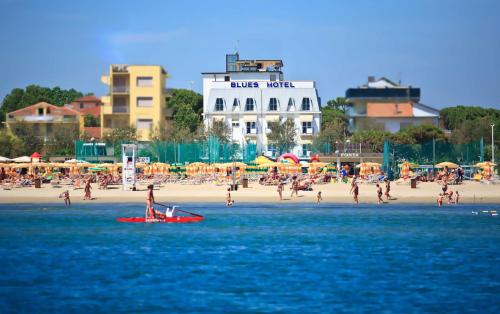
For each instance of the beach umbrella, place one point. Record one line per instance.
(485, 164)
(410, 164)
(447, 164)
(262, 160)
(5, 159)
(23, 159)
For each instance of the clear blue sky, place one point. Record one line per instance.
(448, 48)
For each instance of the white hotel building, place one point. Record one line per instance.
(252, 93)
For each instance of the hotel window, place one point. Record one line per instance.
(227, 78)
(291, 105)
(236, 104)
(144, 123)
(40, 111)
(273, 104)
(272, 78)
(249, 105)
(306, 150)
(81, 105)
(219, 104)
(271, 148)
(144, 101)
(306, 104)
(251, 128)
(47, 111)
(236, 124)
(307, 128)
(144, 81)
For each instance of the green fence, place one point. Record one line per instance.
(209, 151)
(431, 153)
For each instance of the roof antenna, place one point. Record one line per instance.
(236, 46)
(399, 78)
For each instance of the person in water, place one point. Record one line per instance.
(379, 194)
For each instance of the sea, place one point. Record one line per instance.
(251, 258)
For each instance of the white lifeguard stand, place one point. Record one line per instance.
(129, 152)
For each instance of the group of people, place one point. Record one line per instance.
(355, 190)
(452, 197)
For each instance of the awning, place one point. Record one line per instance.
(252, 118)
(272, 118)
(306, 118)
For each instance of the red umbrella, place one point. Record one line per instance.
(36, 155)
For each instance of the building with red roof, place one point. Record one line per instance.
(86, 105)
(44, 118)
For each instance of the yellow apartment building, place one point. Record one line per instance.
(136, 98)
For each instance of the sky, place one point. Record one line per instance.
(448, 48)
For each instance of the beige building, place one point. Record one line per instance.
(44, 118)
(136, 98)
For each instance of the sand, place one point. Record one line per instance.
(470, 192)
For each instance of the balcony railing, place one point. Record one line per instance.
(120, 89)
(120, 109)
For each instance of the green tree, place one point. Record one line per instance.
(419, 134)
(283, 135)
(374, 138)
(10, 145)
(91, 121)
(453, 117)
(62, 141)
(179, 97)
(28, 135)
(121, 135)
(186, 118)
(220, 130)
(339, 103)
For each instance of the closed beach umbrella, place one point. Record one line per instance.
(405, 169)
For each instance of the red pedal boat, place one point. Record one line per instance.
(163, 218)
(177, 219)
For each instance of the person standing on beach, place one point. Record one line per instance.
(355, 191)
(67, 201)
(280, 190)
(440, 200)
(379, 194)
(387, 189)
(319, 198)
(295, 187)
(457, 197)
(229, 201)
(86, 189)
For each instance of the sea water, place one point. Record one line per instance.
(250, 258)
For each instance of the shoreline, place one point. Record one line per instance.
(425, 193)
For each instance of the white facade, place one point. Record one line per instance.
(248, 101)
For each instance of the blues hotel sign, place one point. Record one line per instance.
(262, 84)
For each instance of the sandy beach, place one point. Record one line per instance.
(470, 192)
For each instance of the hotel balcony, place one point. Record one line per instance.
(120, 89)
